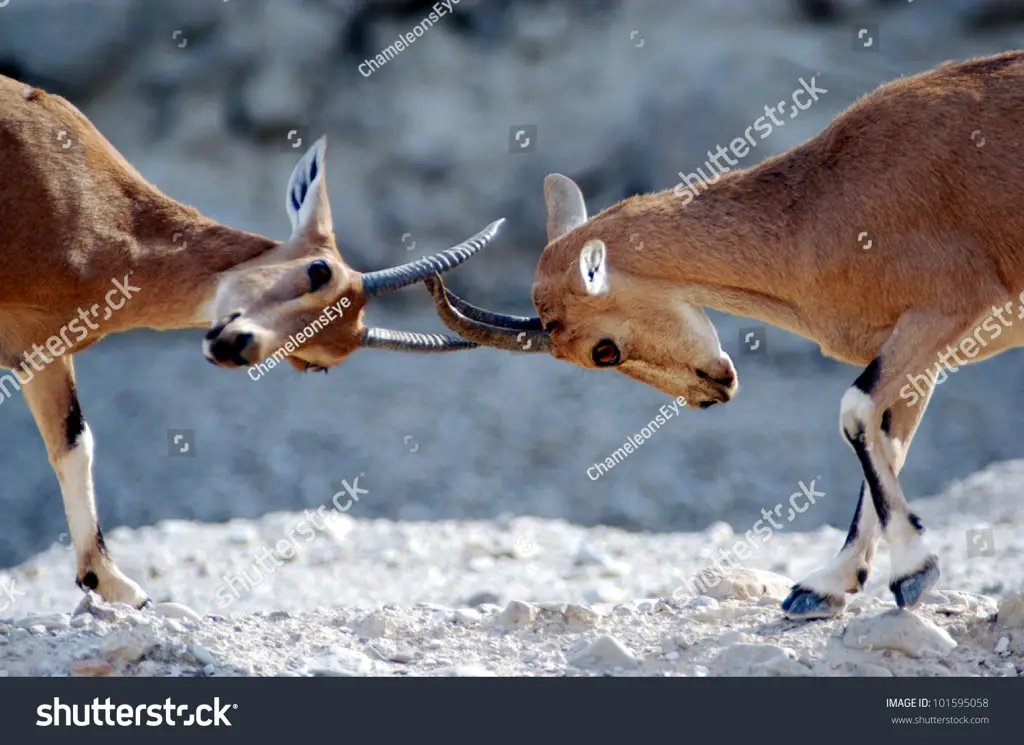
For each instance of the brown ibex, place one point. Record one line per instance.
(931, 167)
(81, 232)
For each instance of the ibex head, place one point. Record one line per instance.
(597, 310)
(299, 301)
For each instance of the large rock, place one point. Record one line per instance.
(899, 630)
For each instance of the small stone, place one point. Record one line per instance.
(37, 629)
(1003, 645)
(900, 630)
(203, 655)
(581, 615)
(404, 655)
(701, 671)
(516, 615)
(605, 651)
(83, 621)
(466, 616)
(177, 610)
(128, 647)
(95, 606)
(279, 615)
(672, 656)
(746, 659)
(735, 637)
(371, 626)
(172, 625)
(1011, 612)
(340, 663)
(91, 668)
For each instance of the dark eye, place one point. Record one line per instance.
(606, 354)
(319, 275)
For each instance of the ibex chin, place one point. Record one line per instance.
(78, 224)
(779, 242)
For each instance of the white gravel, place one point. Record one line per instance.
(523, 596)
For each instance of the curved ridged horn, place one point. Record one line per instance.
(501, 320)
(515, 339)
(395, 278)
(412, 341)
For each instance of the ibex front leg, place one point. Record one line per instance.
(822, 593)
(51, 397)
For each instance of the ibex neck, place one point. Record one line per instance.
(733, 248)
(179, 259)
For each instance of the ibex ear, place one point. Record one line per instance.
(566, 208)
(308, 206)
(594, 267)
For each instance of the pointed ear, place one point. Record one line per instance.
(307, 203)
(566, 209)
(594, 267)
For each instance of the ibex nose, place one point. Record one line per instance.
(724, 376)
(231, 350)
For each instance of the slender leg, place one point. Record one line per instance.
(53, 401)
(822, 593)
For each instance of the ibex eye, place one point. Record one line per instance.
(606, 354)
(319, 275)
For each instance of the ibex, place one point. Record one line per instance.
(89, 248)
(930, 167)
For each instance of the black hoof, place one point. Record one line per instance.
(910, 589)
(147, 603)
(805, 604)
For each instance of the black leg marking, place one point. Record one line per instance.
(862, 577)
(871, 477)
(916, 522)
(887, 421)
(100, 543)
(89, 581)
(869, 378)
(74, 424)
(854, 529)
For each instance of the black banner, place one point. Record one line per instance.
(227, 710)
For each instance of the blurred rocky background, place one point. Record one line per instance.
(214, 101)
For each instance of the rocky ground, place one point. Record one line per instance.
(520, 596)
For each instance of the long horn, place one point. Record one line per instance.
(412, 341)
(487, 334)
(502, 320)
(395, 278)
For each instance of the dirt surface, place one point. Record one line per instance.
(524, 596)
